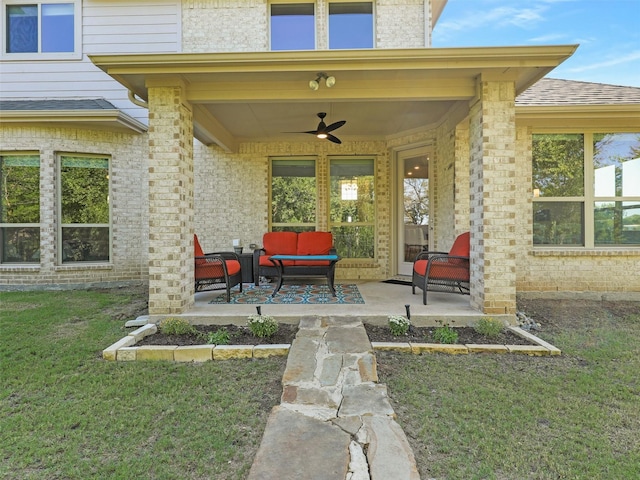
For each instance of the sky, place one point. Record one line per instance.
(608, 32)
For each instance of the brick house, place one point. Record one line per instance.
(150, 121)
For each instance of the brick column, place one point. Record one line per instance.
(170, 200)
(493, 197)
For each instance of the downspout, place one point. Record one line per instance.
(137, 101)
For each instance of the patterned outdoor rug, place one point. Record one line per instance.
(293, 294)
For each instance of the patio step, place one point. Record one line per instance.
(334, 420)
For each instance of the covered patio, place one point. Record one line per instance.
(460, 100)
(380, 300)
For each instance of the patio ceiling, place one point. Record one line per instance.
(262, 96)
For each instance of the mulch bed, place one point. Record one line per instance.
(241, 335)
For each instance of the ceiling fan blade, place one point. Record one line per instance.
(335, 125)
(333, 139)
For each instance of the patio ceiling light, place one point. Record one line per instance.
(329, 81)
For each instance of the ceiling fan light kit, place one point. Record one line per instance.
(323, 130)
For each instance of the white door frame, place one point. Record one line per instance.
(405, 268)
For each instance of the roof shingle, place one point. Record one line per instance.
(553, 91)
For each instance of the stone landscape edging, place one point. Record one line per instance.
(125, 350)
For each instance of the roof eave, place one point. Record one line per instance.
(625, 116)
(109, 119)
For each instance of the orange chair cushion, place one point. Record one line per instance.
(314, 243)
(197, 250)
(206, 269)
(450, 270)
(214, 269)
(461, 246)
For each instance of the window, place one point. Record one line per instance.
(586, 189)
(84, 209)
(350, 25)
(351, 199)
(293, 195)
(352, 207)
(41, 28)
(616, 164)
(20, 208)
(293, 26)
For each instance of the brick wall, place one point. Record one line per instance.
(171, 202)
(128, 198)
(232, 196)
(493, 191)
(243, 25)
(225, 26)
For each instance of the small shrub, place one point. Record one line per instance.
(398, 325)
(219, 337)
(177, 326)
(262, 326)
(489, 327)
(445, 334)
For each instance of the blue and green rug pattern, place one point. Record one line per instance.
(293, 294)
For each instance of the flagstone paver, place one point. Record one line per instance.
(334, 420)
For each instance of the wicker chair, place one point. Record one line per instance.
(442, 271)
(216, 270)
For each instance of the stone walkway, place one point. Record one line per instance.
(335, 421)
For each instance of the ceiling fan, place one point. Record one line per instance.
(323, 129)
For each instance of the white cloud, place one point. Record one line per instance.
(629, 57)
(551, 37)
(501, 16)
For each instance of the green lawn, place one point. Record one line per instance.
(67, 414)
(516, 417)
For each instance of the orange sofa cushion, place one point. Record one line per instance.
(278, 243)
(314, 243)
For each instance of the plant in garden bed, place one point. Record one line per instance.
(177, 326)
(262, 326)
(219, 337)
(445, 334)
(489, 327)
(399, 325)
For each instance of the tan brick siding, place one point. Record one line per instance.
(243, 25)
(171, 201)
(129, 207)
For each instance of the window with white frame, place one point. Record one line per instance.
(586, 189)
(47, 29)
(20, 208)
(350, 25)
(293, 26)
(85, 233)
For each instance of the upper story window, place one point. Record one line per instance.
(46, 29)
(293, 26)
(350, 25)
(586, 189)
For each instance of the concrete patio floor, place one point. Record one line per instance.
(381, 300)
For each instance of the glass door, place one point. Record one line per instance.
(413, 228)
